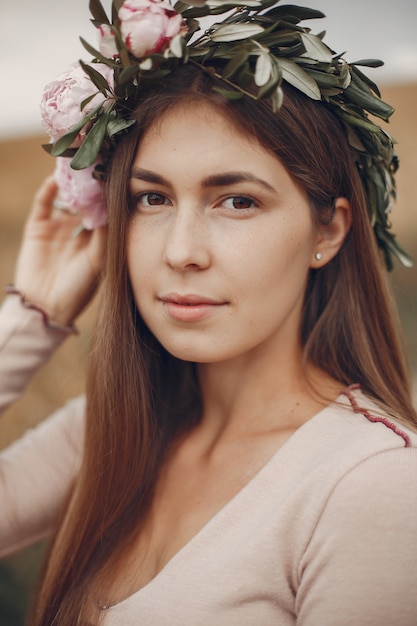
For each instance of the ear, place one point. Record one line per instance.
(330, 237)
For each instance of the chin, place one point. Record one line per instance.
(194, 353)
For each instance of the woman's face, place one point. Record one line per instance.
(221, 239)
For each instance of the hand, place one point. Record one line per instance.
(56, 270)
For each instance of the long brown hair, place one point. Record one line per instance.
(140, 397)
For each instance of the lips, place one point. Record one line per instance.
(190, 307)
(189, 300)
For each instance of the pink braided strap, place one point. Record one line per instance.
(375, 418)
(66, 330)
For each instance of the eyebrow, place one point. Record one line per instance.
(148, 176)
(216, 180)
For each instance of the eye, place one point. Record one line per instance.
(151, 199)
(239, 203)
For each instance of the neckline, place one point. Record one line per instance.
(341, 400)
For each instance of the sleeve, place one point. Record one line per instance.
(36, 475)
(360, 566)
(36, 472)
(25, 344)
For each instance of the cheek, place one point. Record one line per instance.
(279, 255)
(140, 253)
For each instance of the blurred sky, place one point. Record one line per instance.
(39, 39)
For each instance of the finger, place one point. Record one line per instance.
(43, 203)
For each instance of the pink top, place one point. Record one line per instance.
(324, 535)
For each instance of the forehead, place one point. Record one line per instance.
(197, 129)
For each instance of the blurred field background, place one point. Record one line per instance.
(23, 164)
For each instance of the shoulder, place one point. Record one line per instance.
(349, 453)
(367, 443)
(364, 406)
(356, 425)
(382, 471)
(369, 496)
(362, 544)
(380, 455)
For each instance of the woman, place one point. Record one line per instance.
(249, 452)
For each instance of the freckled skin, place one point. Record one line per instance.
(246, 243)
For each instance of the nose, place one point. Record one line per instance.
(186, 244)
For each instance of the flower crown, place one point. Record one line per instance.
(257, 46)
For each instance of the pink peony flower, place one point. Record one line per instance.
(81, 193)
(107, 43)
(60, 105)
(148, 26)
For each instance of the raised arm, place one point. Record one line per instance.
(56, 272)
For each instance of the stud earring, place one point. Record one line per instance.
(318, 256)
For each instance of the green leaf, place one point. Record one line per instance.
(297, 77)
(278, 39)
(180, 6)
(87, 101)
(194, 51)
(236, 32)
(217, 7)
(98, 12)
(359, 122)
(270, 87)
(194, 12)
(70, 152)
(316, 49)
(97, 55)
(393, 246)
(96, 78)
(146, 65)
(301, 13)
(128, 73)
(277, 99)
(89, 150)
(354, 139)
(124, 56)
(155, 75)
(369, 62)
(369, 102)
(116, 6)
(324, 79)
(345, 75)
(237, 60)
(66, 140)
(232, 4)
(358, 75)
(177, 45)
(230, 95)
(263, 69)
(244, 77)
(192, 27)
(118, 125)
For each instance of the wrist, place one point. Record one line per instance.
(52, 325)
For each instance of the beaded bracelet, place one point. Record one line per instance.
(66, 330)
